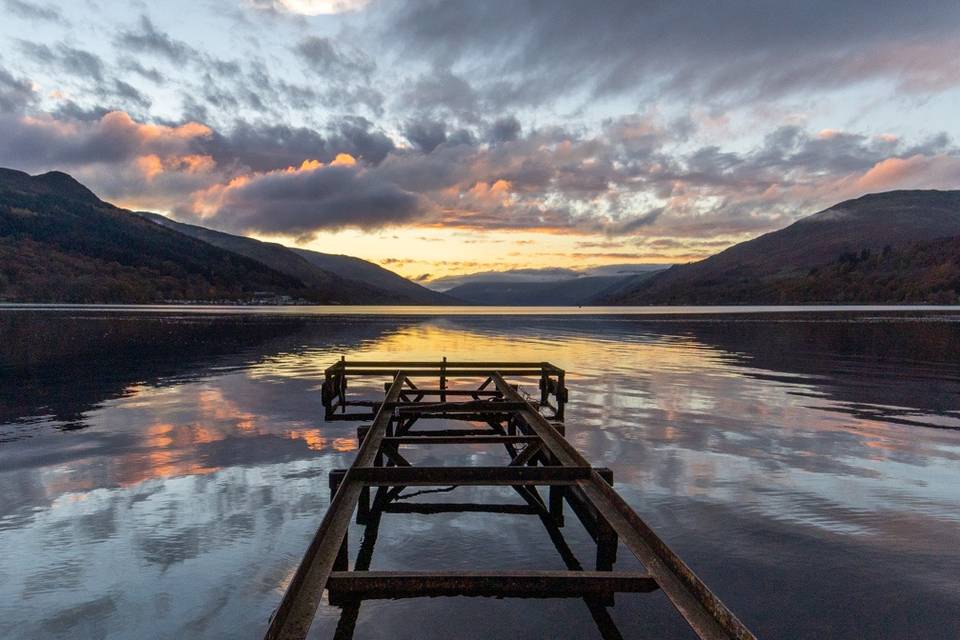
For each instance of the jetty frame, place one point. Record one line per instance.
(538, 455)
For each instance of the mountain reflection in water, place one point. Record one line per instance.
(161, 474)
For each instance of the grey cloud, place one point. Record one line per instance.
(301, 203)
(67, 58)
(630, 224)
(149, 39)
(790, 149)
(228, 86)
(318, 51)
(145, 72)
(70, 110)
(265, 147)
(461, 136)
(113, 139)
(441, 88)
(535, 49)
(130, 94)
(323, 57)
(15, 93)
(505, 129)
(445, 167)
(425, 134)
(31, 11)
(360, 138)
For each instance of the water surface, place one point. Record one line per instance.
(162, 471)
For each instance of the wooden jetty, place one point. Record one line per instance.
(532, 434)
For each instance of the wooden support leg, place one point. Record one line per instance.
(342, 563)
(607, 541)
(561, 394)
(606, 545)
(556, 504)
(363, 506)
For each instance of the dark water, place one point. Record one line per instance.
(162, 473)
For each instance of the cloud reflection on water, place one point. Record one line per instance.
(181, 504)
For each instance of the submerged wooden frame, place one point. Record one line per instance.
(545, 459)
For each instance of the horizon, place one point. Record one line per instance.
(444, 140)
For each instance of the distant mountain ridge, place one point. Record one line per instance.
(795, 265)
(588, 290)
(370, 273)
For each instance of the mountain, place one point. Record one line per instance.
(372, 274)
(60, 243)
(897, 235)
(541, 274)
(923, 271)
(571, 292)
(364, 282)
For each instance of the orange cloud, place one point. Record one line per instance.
(121, 120)
(343, 160)
(207, 202)
(498, 192)
(915, 172)
(150, 166)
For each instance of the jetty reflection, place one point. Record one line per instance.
(400, 503)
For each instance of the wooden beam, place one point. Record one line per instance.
(477, 370)
(387, 364)
(526, 455)
(460, 476)
(427, 508)
(456, 392)
(466, 439)
(500, 584)
(483, 406)
(457, 433)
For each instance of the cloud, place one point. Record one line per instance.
(66, 58)
(44, 141)
(927, 172)
(15, 93)
(442, 89)
(253, 86)
(730, 51)
(300, 201)
(310, 7)
(622, 181)
(32, 11)
(149, 39)
(325, 58)
(425, 134)
(135, 66)
(505, 129)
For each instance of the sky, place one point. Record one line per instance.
(442, 138)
